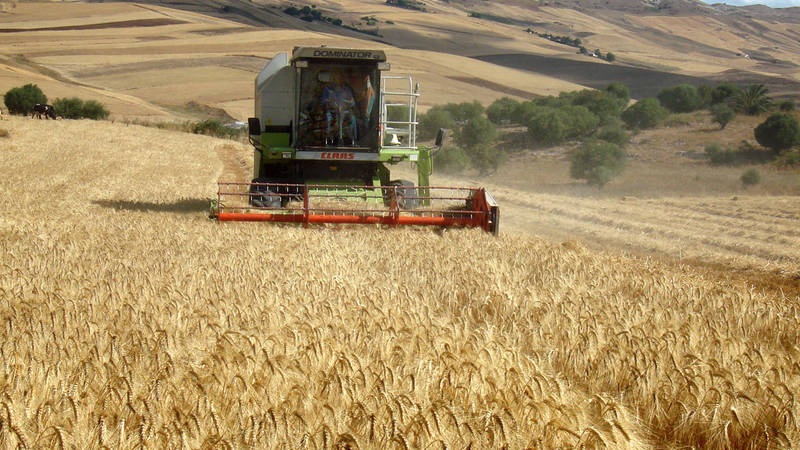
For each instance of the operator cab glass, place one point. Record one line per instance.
(339, 107)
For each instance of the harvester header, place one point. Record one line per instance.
(329, 123)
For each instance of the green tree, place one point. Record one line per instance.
(752, 100)
(69, 108)
(502, 109)
(580, 121)
(724, 92)
(620, 91)
(614, 134)
(95, 110)
(465, 111)
(476, 132)
(722, 114)
(486, 159)
(548, 126)
(21, 100)
(645, 113)
(597, 162)
(680, 99)
(610, 57)
(436, 118)
(779, 132)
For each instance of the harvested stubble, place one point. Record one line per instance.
(130, 320)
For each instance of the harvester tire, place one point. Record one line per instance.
(265, 200)
(405, 190)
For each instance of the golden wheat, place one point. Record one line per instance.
(130, 320)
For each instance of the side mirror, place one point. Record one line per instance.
(254, 126)
(440, 137)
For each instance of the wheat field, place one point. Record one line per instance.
(130, 320)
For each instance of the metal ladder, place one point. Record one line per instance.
(400, 91)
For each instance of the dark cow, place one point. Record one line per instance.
(47, 110)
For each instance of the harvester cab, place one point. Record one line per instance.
(329, 123)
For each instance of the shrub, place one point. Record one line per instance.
(476, 132)
(94, 110)
(752, 100)
(786, 106)
(397, 113)
(704, 91)
(597, 162)
(3, 133)
(681, 98)
(68, 108)
(750, 177)
(465, 111)
(745, 153)
(722, 114)
(580, 121)
(211, 127)
(614, 134)
(620, 91)
(450, 160)
(724, 92)
(21, 100)
(502, 110)
(429, 123)
(645, 113)
(789, 159)
(548, 126)
(610, 57)
(606, 106)
(485, 158)
(779, 132)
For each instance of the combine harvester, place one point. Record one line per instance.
(325, 132)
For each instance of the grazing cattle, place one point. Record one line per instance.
(47, 110)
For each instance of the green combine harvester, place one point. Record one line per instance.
(329, 123)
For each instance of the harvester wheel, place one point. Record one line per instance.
(266, 200)
(405, 190)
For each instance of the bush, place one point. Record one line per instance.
(722, 114)
(786, 106)
(750, 177)
(597, 162)
(724, 92)
(779, 132)
(397, 113)
(746, 153)
(450, 160)
(465, 111)
(681, 98)
(548, 126)
(502, 110)
(645, 113)
(429, 123)
(789, 159)
(3, 133)
(620, 91)
(580, 121)
(68, 108)
(211, 127)
(610, 57)
(476, 132)
(614, 134)
(21, 100)
(485, 158)
(704, 91)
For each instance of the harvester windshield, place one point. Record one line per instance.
(339, 106)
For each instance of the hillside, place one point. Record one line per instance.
(186, 60)
(130, 317)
